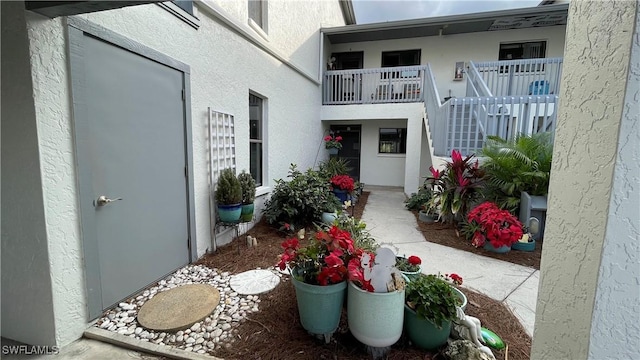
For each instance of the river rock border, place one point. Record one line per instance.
(215, 331)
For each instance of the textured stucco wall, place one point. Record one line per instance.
(585, 150)
(224, 68)
(407, 176)
(27, 307)
(615, 328)
(442, 52)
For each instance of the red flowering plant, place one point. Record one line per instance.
(487, 222)
(455, 188)
(323, 261)
(410, 264)
(356, 269)
(332, 142)
(342, 182)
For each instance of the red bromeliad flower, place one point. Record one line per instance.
(342, 182)
(414, 260)
(434, 172)
(456, 156)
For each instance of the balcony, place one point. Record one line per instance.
(373, 86)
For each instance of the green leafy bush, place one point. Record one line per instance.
(418, 200)
(300, 201)
(228, 190)
(514, 166)
(432, 298)
(333, 167)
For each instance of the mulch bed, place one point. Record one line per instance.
(275, 331)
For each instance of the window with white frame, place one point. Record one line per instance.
(256, 137)
(258, 13)
(522, 50)
(392, 141)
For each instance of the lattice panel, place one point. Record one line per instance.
(222, 144)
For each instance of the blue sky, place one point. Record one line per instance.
(369, 11)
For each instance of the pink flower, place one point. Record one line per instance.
(456, 156)
(338, 138)
(435, 173)
(328, 138)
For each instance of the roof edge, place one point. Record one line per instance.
(348, 13)
(443, 19)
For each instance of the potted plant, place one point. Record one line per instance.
(408, 266)
(376, 295)
(248, 185)
(430, 306)
(456, 188)
(228, 196)
(319, 273)
(491, 227)
(332, 143)
(342, 186)
(330, 206)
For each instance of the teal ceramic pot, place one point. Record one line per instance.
(246, 213)
(500, 250)
(328, 217)
(423, 333)
(528, 246)
(319, 307)
(229, 213)
(332, 151)
(375, 319)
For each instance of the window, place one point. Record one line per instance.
(525, 50)
(393, 141)
(401, 58)
(256, 137)
(186, 5)
(258, 13)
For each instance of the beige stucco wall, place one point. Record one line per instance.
(594, 80)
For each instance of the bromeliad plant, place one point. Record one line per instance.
(487, 222)
(456, 188)
(323, 261)
(343, 182)
(332, 142)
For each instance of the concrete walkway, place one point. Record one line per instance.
(391, 223)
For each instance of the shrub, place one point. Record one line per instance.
(248, 186)
(334, 166)
(228, 190)
(299, 201)
(514, 166)
(487, 222)
(456, 189)
(418, 200)
(432, 298)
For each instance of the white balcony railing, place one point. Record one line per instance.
(371, 86)
(471, 120)
(521, 77)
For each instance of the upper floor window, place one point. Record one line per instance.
(522, 50)
(258, 13)
(392, 141)
(401, 58)
(186, 5)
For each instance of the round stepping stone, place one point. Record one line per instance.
(254, 282)
(179, 308)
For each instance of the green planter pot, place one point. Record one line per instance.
(332, 151)
(375, 319)
(423, 333)
(229, 213)
(329, 217)
(246, 213)
(528, 246)
(319, 307)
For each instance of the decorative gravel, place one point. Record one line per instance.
(215, 331)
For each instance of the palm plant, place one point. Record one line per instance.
(517, 165)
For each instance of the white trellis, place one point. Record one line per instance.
(222, 154)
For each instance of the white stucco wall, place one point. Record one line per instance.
(385, 169)
(224, 68)
(615, 329)
(582, 183)
(27, 308)
(442, 52)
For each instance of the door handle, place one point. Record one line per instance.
(102, 200)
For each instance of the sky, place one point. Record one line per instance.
(370, 11)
